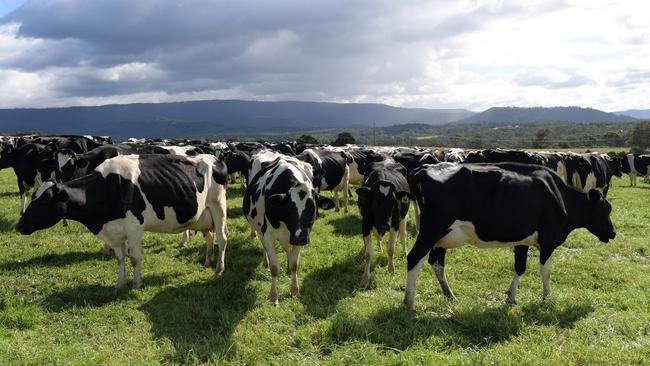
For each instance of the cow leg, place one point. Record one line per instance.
(294, 256)
(209, 248)
(134, 242)
(220, 230)
(417, 216)
(65, 222)
(346, 191)
(545, 262)
(402, 234)
(121, 271)
(274, 267)
(23, 202)
(521, 256)
(392, 237)
(365, 279)
(336, 200)
(106, 250)
(437, 261)
(184, 239)
(436, 229)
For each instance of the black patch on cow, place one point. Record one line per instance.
(169, 181)
(253, 213)
(302, 195)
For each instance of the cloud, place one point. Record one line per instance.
(443, 54)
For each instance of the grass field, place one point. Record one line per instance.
(58, 304)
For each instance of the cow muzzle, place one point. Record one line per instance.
(22, 228)
(299, 240)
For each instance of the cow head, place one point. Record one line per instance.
(380, 199)
(48, 207)
(615, 164)
(318, 175)
(6, 155)
(298, 209)
(600, 223)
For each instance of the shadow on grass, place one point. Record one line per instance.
(323, 288)
(95, 295)
(9, 194)
(51, 260)
(479, 327)
(200, 317)
(234, 212)
(235, 190)
(6, 225)
(348, 225)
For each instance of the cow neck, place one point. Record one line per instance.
(78, 208)
(578, 208)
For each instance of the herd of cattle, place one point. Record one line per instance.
(487, 198)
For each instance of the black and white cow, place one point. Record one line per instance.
(413, 160)
(26, 161)
(128, 195)
(237, 162)
(500, 205)
(636, 164)
(384, 205)
(280, 204)
(360, 159)
(337, 172)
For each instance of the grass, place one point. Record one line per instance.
(58, 304)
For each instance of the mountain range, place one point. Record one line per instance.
(230, 117)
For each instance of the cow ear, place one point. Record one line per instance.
(363, 191)
(595, 196)
(81, 163)
(49, 163)
(276, 200)
(323, 202)
(319, 173)
(62, 196)
(403, 196)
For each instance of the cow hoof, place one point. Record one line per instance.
(295, 293)
(452, 298)
(207, 264)
(391, 268)
(120, 285)
(364, 283)
(218, 271)
(137, 286)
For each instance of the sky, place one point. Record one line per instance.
(431, 54)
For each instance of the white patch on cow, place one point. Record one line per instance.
(464, 233)
(127, 166)
(546, 277)
(43, 188)
(62, 159)
(575, 180)
(178, 150)
(590, 183)
(315, 156)
(561, 170)
(355, 176)
(385, 190)
(630, 160)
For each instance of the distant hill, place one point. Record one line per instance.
(538, 114)
(635, 113)
(216, 117)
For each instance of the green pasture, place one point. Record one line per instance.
(58, 304)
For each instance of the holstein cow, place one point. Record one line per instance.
(337, 172)
(26, 161)
(360, 159)
(384, 205)
(636, 164)
(280, 204)
(128, 195)
(500, 205)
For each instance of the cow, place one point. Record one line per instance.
(130, 194)
(503, 156)
(26, 161)
(237, 162)
(280, 204)
(498, 205)
(413, 160)
(636, 164)
(361, 158)
(383, 204)
(337, 172)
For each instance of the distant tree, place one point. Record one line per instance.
(613, 139)
(476, 142)
(541, 137)
(343, 139)
(307, 139)
(640, 137)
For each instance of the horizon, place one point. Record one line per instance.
(450, 55)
